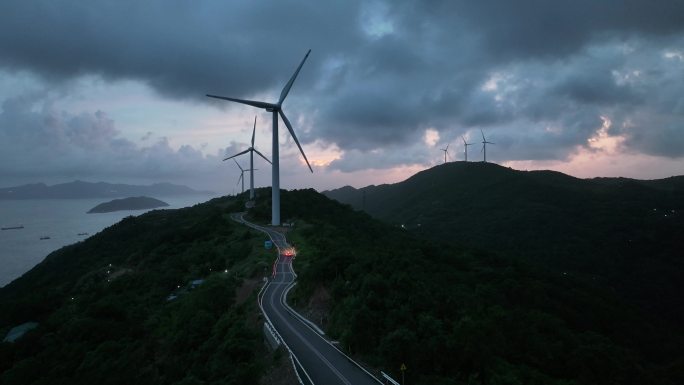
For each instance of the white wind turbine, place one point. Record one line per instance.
(251, 151)
(484, 146)
(466, 144)
(446, 152)
(242, 175)
(276, 109)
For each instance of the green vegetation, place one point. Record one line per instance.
(459, 316)
(106, 318)
(620, 233)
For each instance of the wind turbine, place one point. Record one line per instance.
(242, 175)
(466, 144)
(484, 146)
(276, 109)
(251, 151)
(446, 152)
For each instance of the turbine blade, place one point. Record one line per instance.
(287, 87)
(289, 127)
(464, 142)
(447, 149)
(253, 130)
(244, 101)
(483, 138)
(238, 164)
(239, 179)
(238, 154)
(261, 155)
(482, 149)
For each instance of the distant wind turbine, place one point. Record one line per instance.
(251, 151)
(276, 109)
(446, 152)
(484, 145)
(242, 175)
(466, 144)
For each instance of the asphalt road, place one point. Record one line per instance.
(324, 364)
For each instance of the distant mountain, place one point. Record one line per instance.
(79, 190)
(132, 203)
(627, 232)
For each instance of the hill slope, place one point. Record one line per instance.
(628, 233)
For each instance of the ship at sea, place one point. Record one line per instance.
(12, 228)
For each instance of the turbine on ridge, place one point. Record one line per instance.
(446, 152)
(465, 145)
(276, 109)
(484, 146)
(242, 175)
(251, 151)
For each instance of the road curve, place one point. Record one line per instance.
(323, 363)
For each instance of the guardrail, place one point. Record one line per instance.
(390, 379)
(296, 365)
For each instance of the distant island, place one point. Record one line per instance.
(132, 203)
(83, 190)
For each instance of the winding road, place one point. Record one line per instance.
(322, 363)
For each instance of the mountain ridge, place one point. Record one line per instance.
(79, 190)
(627, 232)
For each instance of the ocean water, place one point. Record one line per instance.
(61, 220)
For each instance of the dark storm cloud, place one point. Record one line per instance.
(182, 48)
(536, 74)
(537, 28)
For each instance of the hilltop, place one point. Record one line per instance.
(79, 190)
(623, 232)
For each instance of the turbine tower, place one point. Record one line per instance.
(242, 175)
(484, 146)
(276, 109)
(446, 152)
(466, 144)
(251, 151)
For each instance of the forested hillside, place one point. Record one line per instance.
(163, 298)
(626, 234)
(456, 315)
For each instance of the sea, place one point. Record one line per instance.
(60, 220)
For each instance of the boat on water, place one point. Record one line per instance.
(12, 228)
(44, 238)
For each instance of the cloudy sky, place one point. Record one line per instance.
(114, 90)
